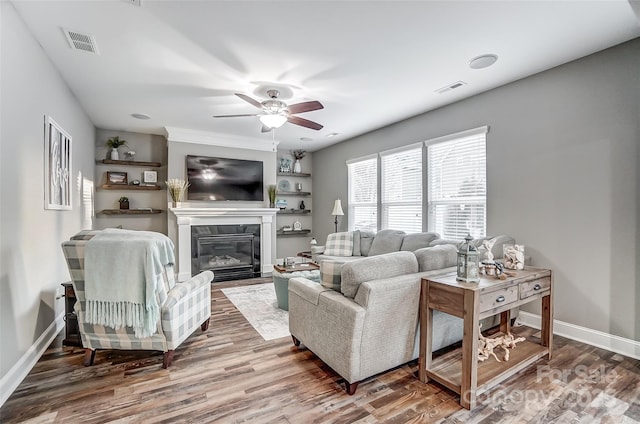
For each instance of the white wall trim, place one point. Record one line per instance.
(595, 338)
(474, 132)
(12, 379)
(185, 135)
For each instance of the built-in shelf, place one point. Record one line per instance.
(293, 174)
(129, 163)
(293, 232)
(294, 211)
(293, 193)
(147, 211)
(130, 187)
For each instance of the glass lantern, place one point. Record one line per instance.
(468, 262)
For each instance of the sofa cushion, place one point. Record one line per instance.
(356, 243)
(330, 274)
(416, 241)
(386, 241)
(366, 239)
(339, 244)
(436, 257)
(375, 268)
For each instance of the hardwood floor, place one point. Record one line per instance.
(229, 374)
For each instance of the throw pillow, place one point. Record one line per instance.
(339, 244)
(386, 241)
(330, 274)
(356, 243)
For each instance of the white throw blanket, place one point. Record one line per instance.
(123, 268)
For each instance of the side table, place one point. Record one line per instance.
(71, 327)
(459, 370)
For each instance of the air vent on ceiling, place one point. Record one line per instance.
(134, 2)
(450, 87)
(79, 41)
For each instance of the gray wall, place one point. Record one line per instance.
(32, 265)
(562, 178)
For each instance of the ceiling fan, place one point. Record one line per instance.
(276, 112)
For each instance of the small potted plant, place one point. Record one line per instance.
(271, 191)
(113, 143)
(124, 202)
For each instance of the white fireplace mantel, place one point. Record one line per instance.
(188, 217)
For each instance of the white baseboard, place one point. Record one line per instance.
(11, 380)
(626, 347)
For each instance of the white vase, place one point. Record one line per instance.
(114, 154)
(297, 168)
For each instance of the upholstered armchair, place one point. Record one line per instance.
(182, 308)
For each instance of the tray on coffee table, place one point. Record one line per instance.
(309, 266)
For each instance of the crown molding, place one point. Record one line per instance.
(184, 135)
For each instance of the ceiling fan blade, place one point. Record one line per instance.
(250, 100)
(304, 122)
(305, 107)
(234, 116)
(266, 129)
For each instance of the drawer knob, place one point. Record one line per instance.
(500, 299)
(537, 287)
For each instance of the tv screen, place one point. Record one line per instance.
(224, 179)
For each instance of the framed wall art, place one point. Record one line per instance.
(57, 166)
(149, 177)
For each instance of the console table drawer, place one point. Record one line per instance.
(498, 298)
(531, 288)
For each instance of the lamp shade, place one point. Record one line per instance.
(273, 121)
(337, 208)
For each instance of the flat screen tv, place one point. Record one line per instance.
(224, 179)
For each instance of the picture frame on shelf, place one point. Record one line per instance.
(118, 177)
(150, 177)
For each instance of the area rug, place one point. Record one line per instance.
(259, 306)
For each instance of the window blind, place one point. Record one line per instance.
(457, 193)
(363, 194)
(401, 205)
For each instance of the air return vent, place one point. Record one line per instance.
(79, 41)
(451, 86)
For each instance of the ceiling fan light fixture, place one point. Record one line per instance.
(273, 120)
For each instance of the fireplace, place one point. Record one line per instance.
(232, 252)
(188, 218)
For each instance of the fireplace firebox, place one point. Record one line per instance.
(232, 252)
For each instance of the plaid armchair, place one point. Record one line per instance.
(184, 306)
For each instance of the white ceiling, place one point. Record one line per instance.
(370, 63)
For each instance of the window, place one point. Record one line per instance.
(457, 190)
(401, 206)
(363, 193)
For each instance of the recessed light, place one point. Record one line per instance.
(333, 134)
(483, 61)
(140, 116)
(306, 139)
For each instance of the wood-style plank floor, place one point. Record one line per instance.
(229, 374)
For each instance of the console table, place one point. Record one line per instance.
(459, 370)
